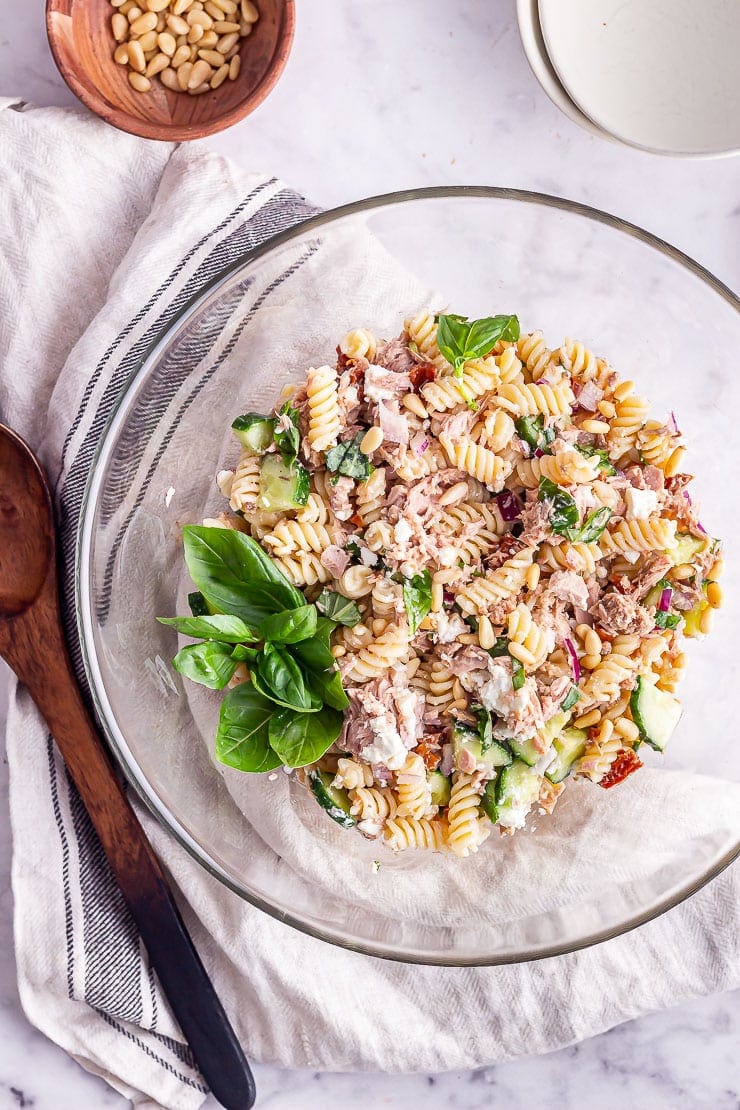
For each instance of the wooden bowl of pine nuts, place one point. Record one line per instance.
(170, 69)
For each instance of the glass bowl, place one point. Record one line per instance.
(564, 268)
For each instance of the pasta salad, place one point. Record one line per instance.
(456, 569)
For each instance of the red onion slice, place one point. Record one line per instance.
(575, 666)
(665, 600)
(509, 506)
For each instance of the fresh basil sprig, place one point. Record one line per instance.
(570, 698)
(337, 607)
(209, 664)
(417, 598)
(532, 430)
(290, 627)
(219, 626)
(242, 739)
(460, 339)
(347, 458)
(565, 517)
(301, 738)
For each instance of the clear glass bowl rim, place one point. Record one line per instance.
(83, 553)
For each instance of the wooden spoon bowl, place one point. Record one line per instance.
(82, 43)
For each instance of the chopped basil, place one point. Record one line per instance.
(603, 456)
(666, 620)
(197, 604)
(571, 698)
(532, 430)
(485, 726)
(417, 598)
(564, 515)
(460, 339)
(518, 677)
(338, 608)
(288, 440)
(593, 526)
(348, 459)
(501, 647)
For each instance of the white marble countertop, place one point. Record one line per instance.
(379, 97)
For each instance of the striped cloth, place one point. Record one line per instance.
(105, 238)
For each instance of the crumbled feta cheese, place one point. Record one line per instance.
(402, 531)
(372, 388)
(407, 702)
(449, 627)
(447, 556)
(584, 499)
(369, 828)
(387, 747)
(499, 696)
(640, 503)
(368, 558)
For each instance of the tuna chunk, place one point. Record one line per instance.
(569, 587)
(619, 614)
(395, 356)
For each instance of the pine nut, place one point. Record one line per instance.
(532, 576)
(371, 440)
(148, 41)
(714, 594)
(180, 6)
(117, 3)
(195, 34)
(596, 427)
(455, 493)
(606, 408)
(682, 573)
(200, 72)
(183, 75)
(144, 23)
(226, 42)
(181, 55)
(438, 596)
(224, 28)
(200, 89)
(157, 5)
(136, 57)
(120, 54)
(592, 642)
(161, 22)
(227, 6)
(168, 77)
(245, 29)
(158, 63)
(126, 8)
(177, 25)
(588, 719)
(234, 66)
(203, 18)
(486, 635)
(219, 76)
(119, 26)
(705, 620)
(628, 729)
(234, 50)
(139, 82)
(181, 40)
(133, 14)
(209, 39)
(249, 12)
(213, 58)
(623, 390)
(212, 10)
(672, 467)
(590, 662)
(166, 43)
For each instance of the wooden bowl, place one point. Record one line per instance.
(82, 43)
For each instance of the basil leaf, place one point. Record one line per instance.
(291, 626)
(605, 465)
(532, 430)
(302, 738)
(288, 440)
(338, 608)
(518, 677)
(242, 739)
(592, 527)
(219, 626)
(571, 698)
(209, 664)
(301, 484)
(277, 676)
(347, 458)
(501, 647)
(564, 511)
(417, 598)
(197, 604)
(666, 620)
(244, 654)
(460, 339)
(485, 727)
(235, 575)
(322, 676)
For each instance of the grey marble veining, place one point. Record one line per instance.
(396, 95)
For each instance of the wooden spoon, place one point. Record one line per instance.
(32, 642)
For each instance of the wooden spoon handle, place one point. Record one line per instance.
(37, 652)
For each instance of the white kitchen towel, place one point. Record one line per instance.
(103, 237)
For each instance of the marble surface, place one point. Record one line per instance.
(394, 96)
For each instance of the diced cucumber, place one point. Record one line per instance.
(556, 724)
(570, 746)
(282, 486)
(655, 712)
(440, 787)
(495, 755)
(686, 547)
(517, 788)
(254, 431)
(526, 751)
(488, 801)
(333, 800)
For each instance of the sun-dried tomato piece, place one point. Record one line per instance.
(420, 374)
(625, 763)
(430, 753)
